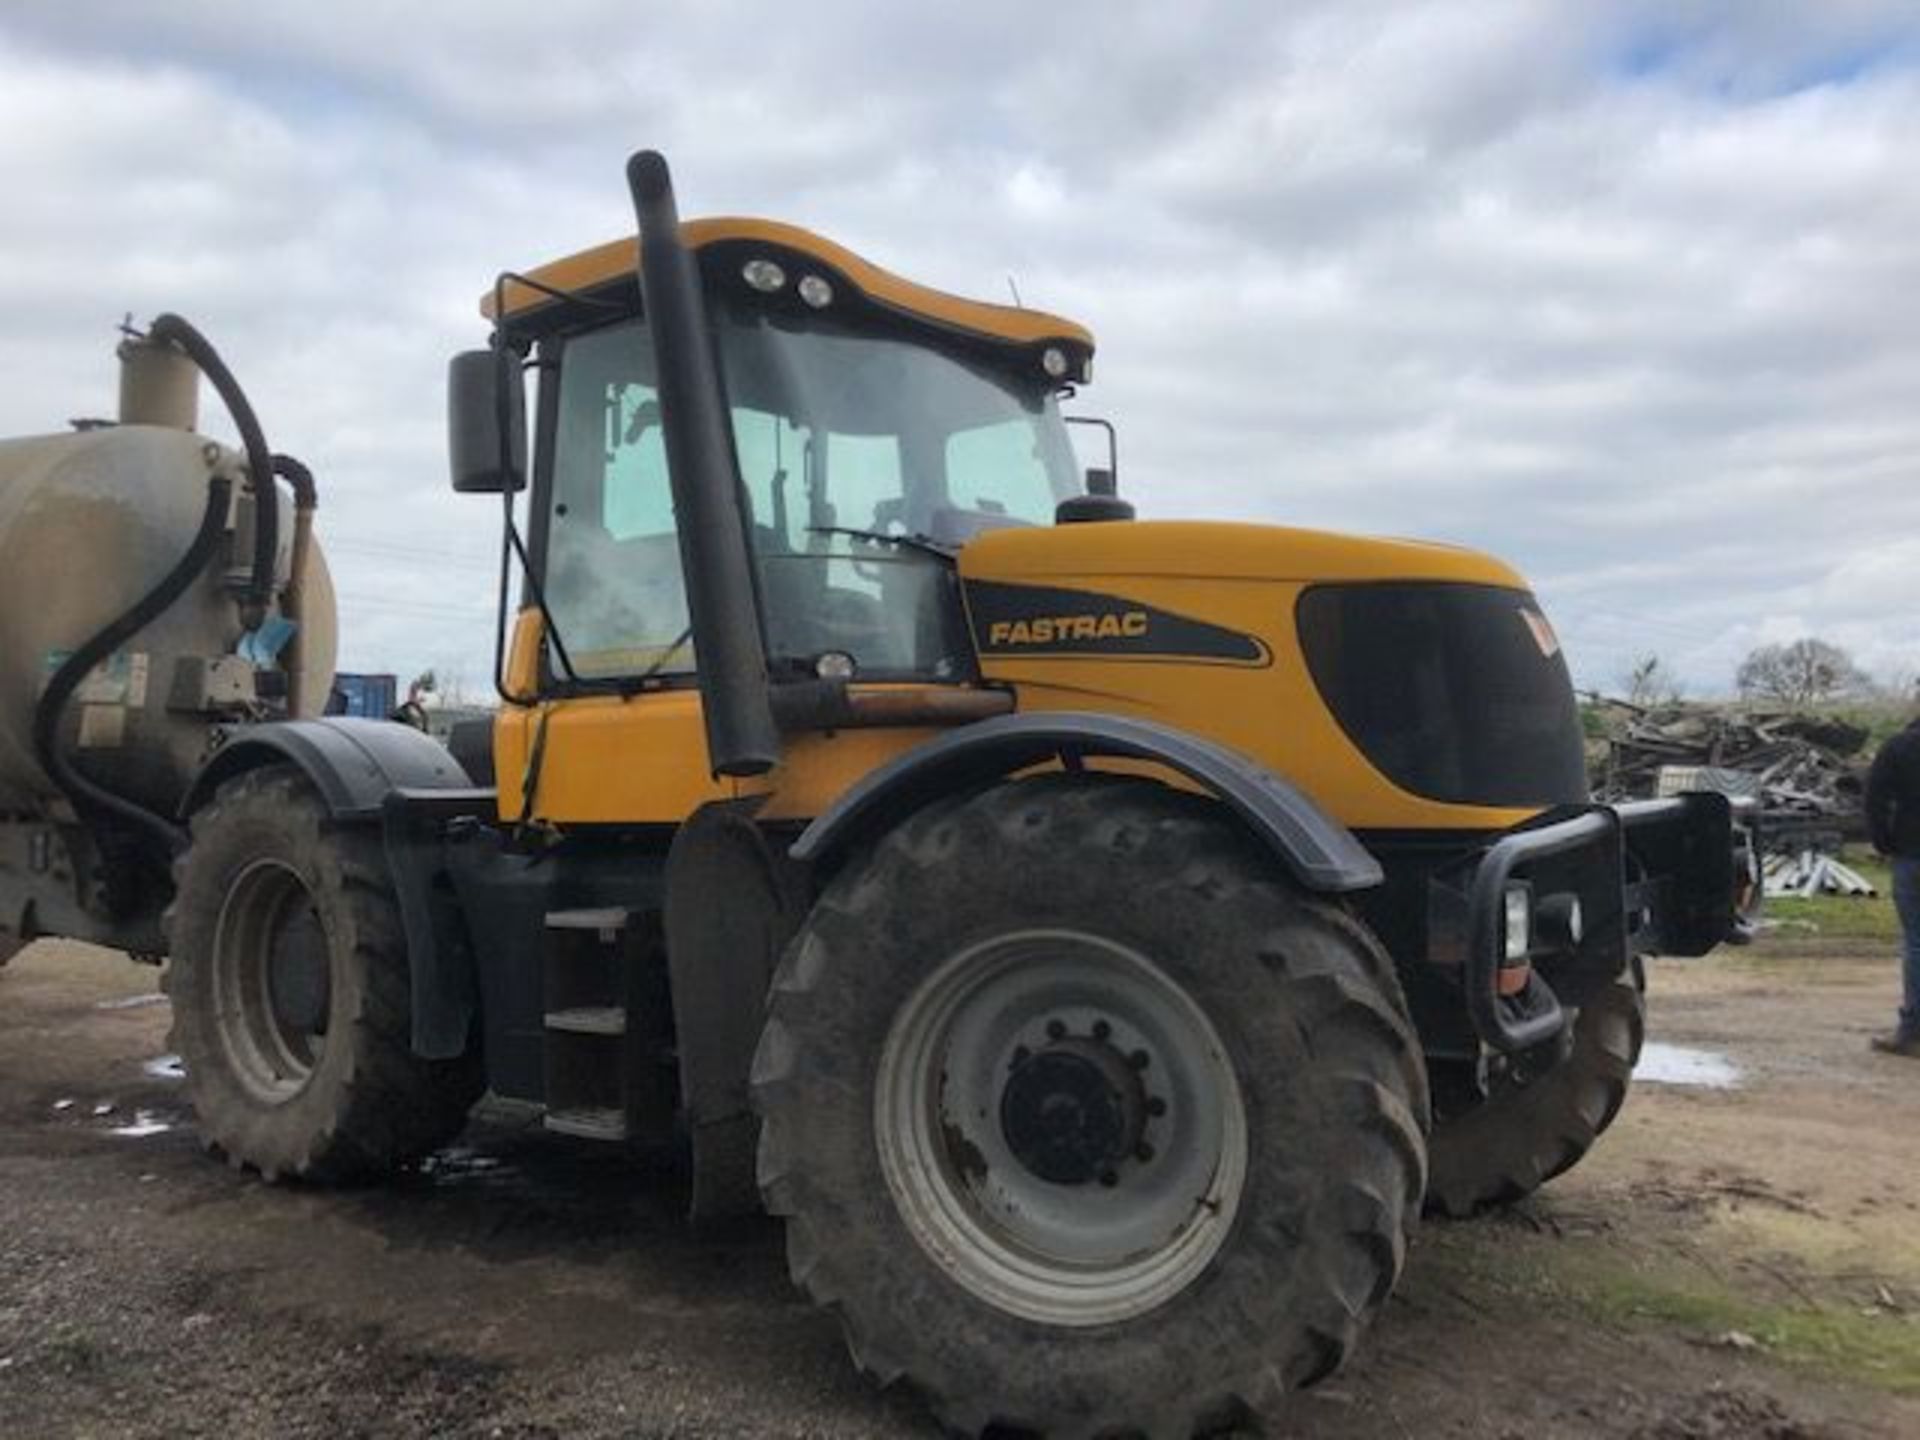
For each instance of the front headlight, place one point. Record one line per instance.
(1519, 908)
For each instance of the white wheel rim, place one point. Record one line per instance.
(956, 1091)
(272, 1059)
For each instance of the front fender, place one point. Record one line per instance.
(1317, 850)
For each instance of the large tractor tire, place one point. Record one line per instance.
(1083, 1121)
(1532, 1127)
(291, 1006)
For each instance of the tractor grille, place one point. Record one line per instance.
(1455, 692)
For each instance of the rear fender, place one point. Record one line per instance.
(351, 763)
(379, 772)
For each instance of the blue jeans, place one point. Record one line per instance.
(1906, 899)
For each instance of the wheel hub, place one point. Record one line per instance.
(272, 986)
(297, 975)
(1073, 1112)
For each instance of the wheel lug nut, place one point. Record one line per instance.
(1056, 1029)
(1143, 1151)
(1109, 1178)
(1101, 1029)
(1156, 1106)
(1139, 1059)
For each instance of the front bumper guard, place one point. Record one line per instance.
(1671, 877)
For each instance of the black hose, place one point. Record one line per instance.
(293, 600)
(82, 792)
(306, 496)
(172, 330)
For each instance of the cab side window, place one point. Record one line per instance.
(613, 578)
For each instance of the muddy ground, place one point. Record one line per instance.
(1739, 1262)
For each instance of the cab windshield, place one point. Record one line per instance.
(863, 459)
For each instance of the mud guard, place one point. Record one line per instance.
(352, 763)
(1319, 852)
(382, 772)
(733, 900)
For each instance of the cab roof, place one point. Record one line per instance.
(614, 263)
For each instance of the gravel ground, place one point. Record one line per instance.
(522, 1286)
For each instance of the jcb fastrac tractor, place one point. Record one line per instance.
(1097, 938)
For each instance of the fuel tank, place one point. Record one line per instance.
(89, 523)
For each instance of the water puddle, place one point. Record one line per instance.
(132, 1002)
(144, 1123)
(1682, 1065)
(164, 1067)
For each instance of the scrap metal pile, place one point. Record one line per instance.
(1804, 770)
(1807, 872)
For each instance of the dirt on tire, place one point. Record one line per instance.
(1306, 1006)
(1525, 1134)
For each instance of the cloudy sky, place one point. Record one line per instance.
(1627, 293)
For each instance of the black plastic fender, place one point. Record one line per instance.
(733, 902)
(1317, 850)
(385, 773)
(352, 763)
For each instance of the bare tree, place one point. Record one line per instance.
(1650, 681)
(1800, 674)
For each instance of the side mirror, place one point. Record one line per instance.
(475, 379)
(1100, 481)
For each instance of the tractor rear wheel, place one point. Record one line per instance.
(291, 1007)
(1082, 1121)
(1534, 1126)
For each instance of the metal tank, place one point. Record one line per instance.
(89, 523)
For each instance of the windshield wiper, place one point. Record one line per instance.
(924, 543)
(628, 686)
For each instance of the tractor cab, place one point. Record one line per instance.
(874, 426)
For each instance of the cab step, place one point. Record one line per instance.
(602, 1123)
(588, 1020)
(607, 922)
(605, 1024)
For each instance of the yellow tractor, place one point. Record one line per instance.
(1098, 938)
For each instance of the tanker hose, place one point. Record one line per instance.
(82, 792)
(299, 480)
(306, 499)
(172, 330)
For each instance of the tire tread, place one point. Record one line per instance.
(389, 1107)
(1343, 986)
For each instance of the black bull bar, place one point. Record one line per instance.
(1671, 877)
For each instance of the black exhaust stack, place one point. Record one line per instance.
(741, 736)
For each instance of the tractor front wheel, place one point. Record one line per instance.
(1084, 1122)
(1536, 1124)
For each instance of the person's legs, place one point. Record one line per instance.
(1906, 899)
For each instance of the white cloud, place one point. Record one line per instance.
(1626, 294)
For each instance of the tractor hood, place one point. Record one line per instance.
(1215, 550)
(1405, 685)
